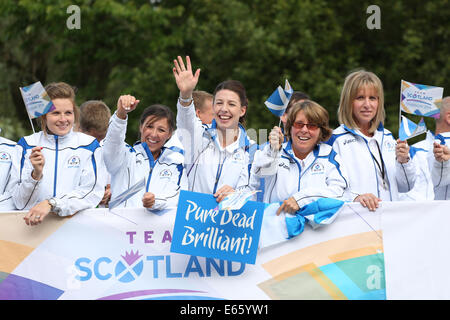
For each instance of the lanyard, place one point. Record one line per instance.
(381, 166)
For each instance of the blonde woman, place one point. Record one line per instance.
(379, 167)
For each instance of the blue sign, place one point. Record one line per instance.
(201, 229)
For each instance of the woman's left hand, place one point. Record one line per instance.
(37, 214)
(289, 205)
(402, 151)
(223, 192)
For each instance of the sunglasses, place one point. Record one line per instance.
(310, 126)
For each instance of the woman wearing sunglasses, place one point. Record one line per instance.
(303, 169)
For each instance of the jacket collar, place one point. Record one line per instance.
(290, 152)
(244, 142)
(379, 129)
(53, 137)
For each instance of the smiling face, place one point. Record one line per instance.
(155, 133)
(227, 109)
(365, 106)
(60, 121)
(303, 139)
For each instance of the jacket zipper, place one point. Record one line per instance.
(56, 166)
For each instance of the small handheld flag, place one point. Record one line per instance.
(279, 99)
(236, 200)
(37, 102)
(408, 129)
(127, 194)
(420, 99)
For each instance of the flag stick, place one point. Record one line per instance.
(31, 121)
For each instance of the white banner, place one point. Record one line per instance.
(125, 254)
(416, 249)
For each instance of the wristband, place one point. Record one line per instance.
(188, 100)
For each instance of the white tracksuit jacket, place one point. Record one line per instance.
(127, 165)
(409, 181)
(8, 156)
(319, 175)
(70, 174)
(440, 171)
(208, 165)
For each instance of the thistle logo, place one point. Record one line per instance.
(130, 268)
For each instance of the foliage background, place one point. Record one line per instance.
(128, 46)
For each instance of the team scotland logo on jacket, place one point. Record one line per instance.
(238, 157)
(73, 162)
(5, 157)
(317, 168)
(389, 145)
(166, 173)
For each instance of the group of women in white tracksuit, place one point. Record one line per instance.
(58, 170)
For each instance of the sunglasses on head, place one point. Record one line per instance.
(310, 126)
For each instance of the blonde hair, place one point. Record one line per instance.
(59, 90)
(353, 83)
(315, 113)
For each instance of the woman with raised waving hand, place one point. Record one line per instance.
(217, 156)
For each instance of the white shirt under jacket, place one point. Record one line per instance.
(208, 165)
(319, 175)
(440, 171)
(8, 156)
(363, 163)
(70, 174)
(128, 165)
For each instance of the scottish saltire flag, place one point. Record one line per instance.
(420, 99)
(279, 99)
(37, 102)
(408, 129)
(280, 228)
(236, 200)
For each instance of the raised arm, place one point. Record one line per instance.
(185, 79)
(188, 125)
(114, 150)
